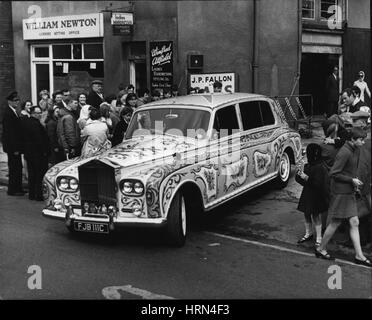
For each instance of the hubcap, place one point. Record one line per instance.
(183, 216)
(284, 167)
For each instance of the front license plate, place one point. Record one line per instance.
(91, 227)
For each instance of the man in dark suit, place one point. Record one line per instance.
(36, 150)
(95, 96)
(13, 144)
(332, 91)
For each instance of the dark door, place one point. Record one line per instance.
(315, 68)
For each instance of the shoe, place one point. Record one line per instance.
(305, 238)
(325, 256)
(365, 262)
(317, 244)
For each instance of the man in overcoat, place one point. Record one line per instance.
(13, 144)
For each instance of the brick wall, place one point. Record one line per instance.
(6, 54)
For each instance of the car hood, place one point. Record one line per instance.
(148, 148)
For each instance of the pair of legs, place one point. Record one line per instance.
(315, 220)
(354, 235)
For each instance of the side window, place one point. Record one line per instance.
(226, 119)
(251, 116)
(267, 114)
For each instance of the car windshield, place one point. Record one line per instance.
(185, 122)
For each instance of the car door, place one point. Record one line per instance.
(232, 170)
(258, 124)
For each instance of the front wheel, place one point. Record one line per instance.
(284, 171)
(176, 221)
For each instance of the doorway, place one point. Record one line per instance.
(138, 74)
(315, 68)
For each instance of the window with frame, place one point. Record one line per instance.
(308, 9)
(79, 57)
(319, 11)
(226, 121)
(325, 6)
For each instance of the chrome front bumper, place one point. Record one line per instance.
(117, 221)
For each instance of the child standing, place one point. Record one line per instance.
(315, 194)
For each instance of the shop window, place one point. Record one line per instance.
(93, 51)
(94, 68)
(41, 52)
(62, 51)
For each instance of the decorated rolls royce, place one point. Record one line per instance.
(180, 158)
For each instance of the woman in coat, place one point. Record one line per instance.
(343, 204)
(56, 153)
(94, 135)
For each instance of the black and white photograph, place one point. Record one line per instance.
(185, 157)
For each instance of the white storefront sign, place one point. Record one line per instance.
(77, 26)
(205, 81)
(122, 18)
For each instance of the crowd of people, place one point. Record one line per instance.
(336, 179)
(62, 126)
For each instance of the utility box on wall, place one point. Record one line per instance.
(195, 61)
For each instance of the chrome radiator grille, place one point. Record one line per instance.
(97, 185)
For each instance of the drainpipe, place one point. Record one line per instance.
(255, 47)
(299, 45)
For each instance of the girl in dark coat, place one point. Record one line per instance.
(314, 196)
(343, 205)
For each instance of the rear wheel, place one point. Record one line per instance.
(284, 171)
(177, 221)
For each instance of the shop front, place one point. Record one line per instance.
(65, 52)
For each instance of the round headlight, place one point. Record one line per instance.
(63, 184)
(74, 184)
(138, 187)
(128, 187)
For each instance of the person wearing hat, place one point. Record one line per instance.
(362, 85)
(12, 141)
(217, 86)
(95, 96)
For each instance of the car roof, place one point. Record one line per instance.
(206, 100)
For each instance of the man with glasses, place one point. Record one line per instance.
(36, 150)
(13, 144)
